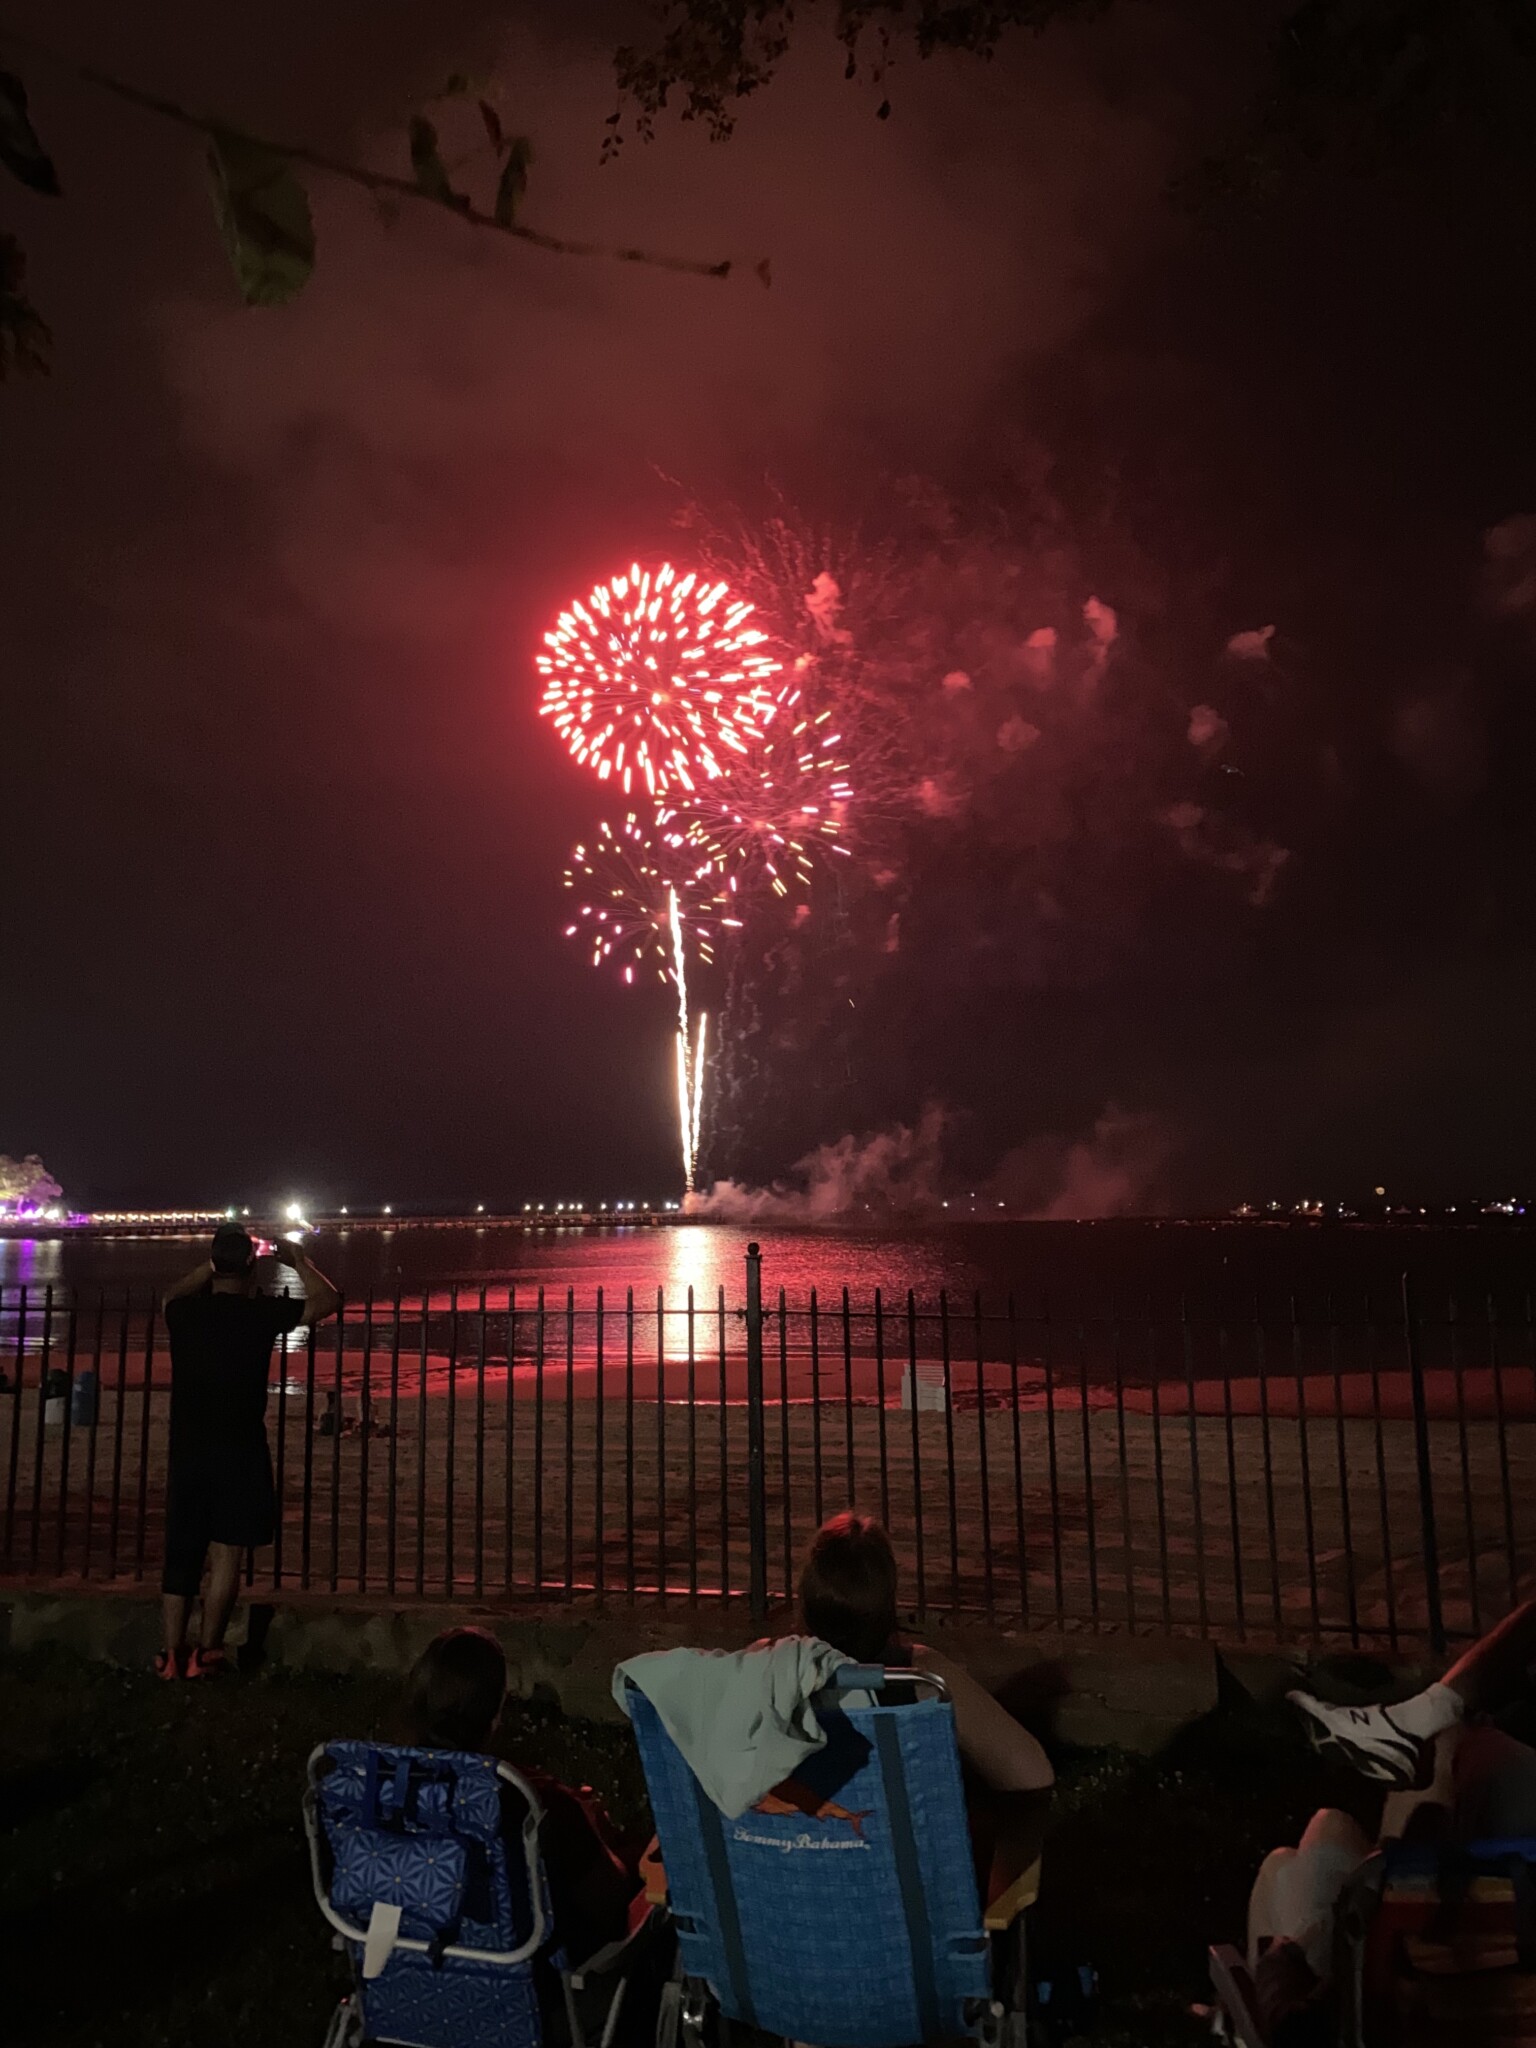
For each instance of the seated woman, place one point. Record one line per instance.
(848, 1598)
(848, 1593)
(1455, 1777)
(454, 1700)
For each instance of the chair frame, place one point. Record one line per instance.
(1232, 1982)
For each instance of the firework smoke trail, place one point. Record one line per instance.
(690, 1096)
(690, 1091)
(698, 1095)
(680, 977)
(684, 1128)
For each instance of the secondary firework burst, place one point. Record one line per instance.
(656, 680)
(639, 897)
(770, 813)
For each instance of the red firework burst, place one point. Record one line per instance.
(659, 677)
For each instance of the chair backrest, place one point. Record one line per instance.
(1444, 1944)
(419, 1833)
(842, 1908)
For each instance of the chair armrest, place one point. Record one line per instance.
(652, 1877)
(1013, 1900)
(1233, 1985)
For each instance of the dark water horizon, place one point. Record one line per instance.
(1157, 1266)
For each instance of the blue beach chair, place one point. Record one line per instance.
(843, 1908)
(441, 1925)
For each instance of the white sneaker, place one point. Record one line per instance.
(1369, 1741)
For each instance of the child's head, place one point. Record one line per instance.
(455, 1692)
(848, 1587)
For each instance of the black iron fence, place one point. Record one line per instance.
(1247, 1472)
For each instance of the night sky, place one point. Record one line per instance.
(283, 909)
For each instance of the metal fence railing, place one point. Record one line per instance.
(1356, 1473)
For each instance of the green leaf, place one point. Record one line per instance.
(514, 181)
(431, 172)
(461, 85)
(263, 212)
(24, 336)
(20, 151)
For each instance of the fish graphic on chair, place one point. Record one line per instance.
(791, 1795)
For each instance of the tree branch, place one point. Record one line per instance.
(357, 174)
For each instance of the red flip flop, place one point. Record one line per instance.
(207, 1664)
(167, 1666)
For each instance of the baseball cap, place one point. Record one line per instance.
(233, 1249)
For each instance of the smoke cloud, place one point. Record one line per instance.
(382, 417)
(1112, 1170)
(1039, 655)
(1509, 568)
(896, 1172)
(1439, 737)
(1103, 630)
(1208, 730)
(1251, 646)
(1215, 841)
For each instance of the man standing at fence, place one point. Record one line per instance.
(220, 1500)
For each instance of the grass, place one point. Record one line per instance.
(154, 1887)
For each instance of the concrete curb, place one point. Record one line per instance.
(1133, 1692)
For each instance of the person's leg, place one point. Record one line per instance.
(174, 1609)
(1265, 1915)
(186, 1548)
(1497, 1670)
(1392, 1744)
(1297, 1891)
(1336, 1834)
(219, 1600)
(243, 1518)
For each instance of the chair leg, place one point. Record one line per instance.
(669, 2014)
(572, 2017)
(1018, 2030)
(611, 2017)
(694, 2012)
(346, 2027)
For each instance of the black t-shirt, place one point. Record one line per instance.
(221, 1354)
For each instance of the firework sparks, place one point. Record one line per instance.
(658, 679)
(660, 683)
(770, 813)
(629, 886)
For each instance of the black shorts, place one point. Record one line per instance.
(215, 1496)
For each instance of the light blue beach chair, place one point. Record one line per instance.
(843, 1909)
(444, 1929)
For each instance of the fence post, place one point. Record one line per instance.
(757, 1475)
(1428, 1531)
